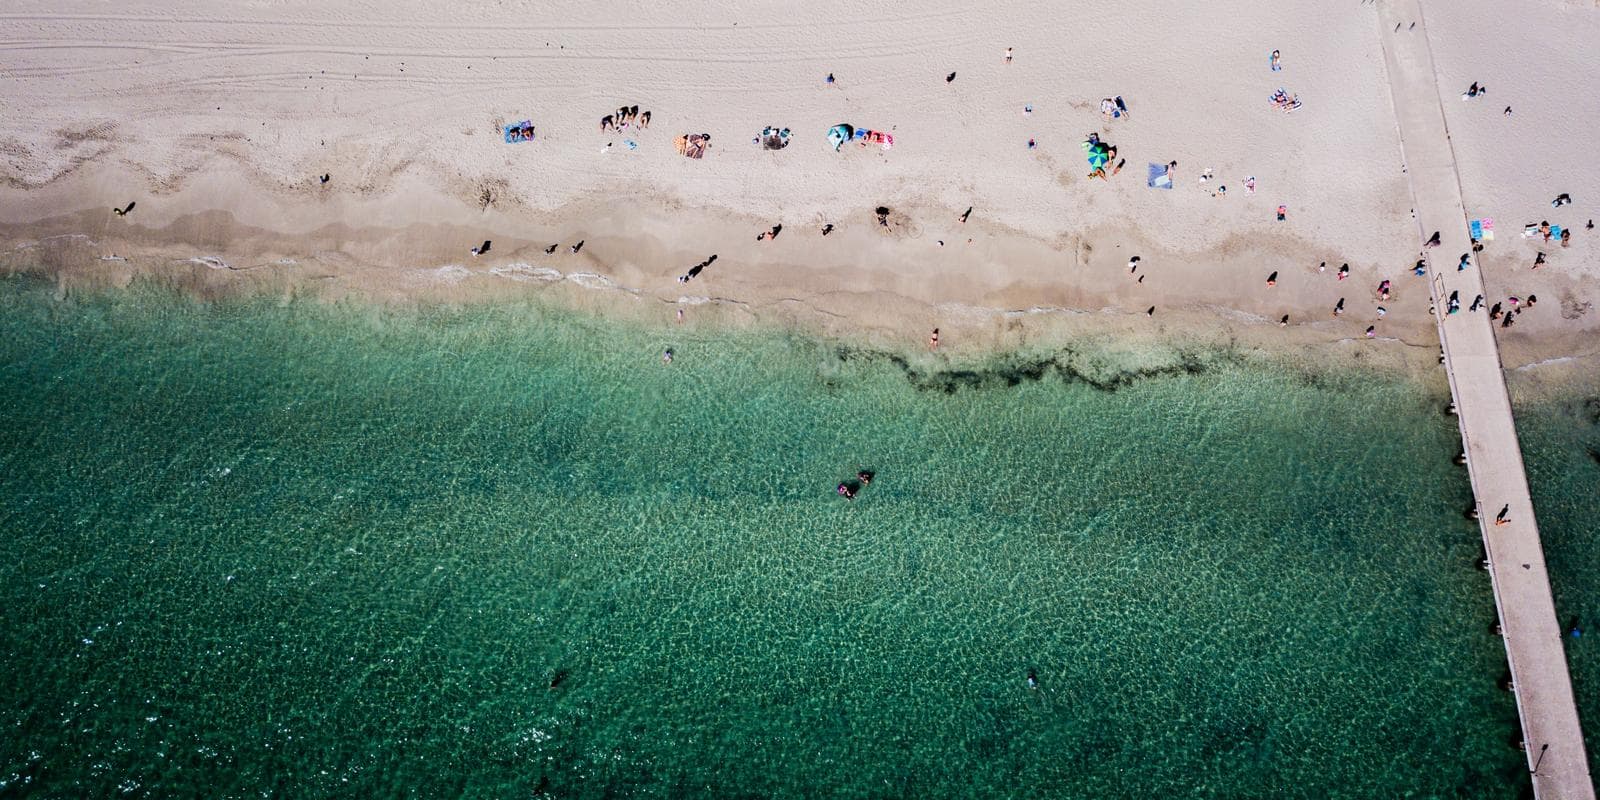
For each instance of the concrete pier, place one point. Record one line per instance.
(1533, 636)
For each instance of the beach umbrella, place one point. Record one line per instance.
(839, 134)
(1098, 154)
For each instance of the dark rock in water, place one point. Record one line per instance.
(1594, 454)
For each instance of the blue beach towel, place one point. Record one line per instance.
(1158, 177)
(513, 139)
(1476, 229)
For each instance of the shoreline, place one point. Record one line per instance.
(802, 280)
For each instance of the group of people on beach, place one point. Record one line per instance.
(694, 272)
(1106, 163)
(623, 117)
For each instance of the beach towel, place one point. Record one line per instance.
(865, 136)
(774, 138)
(1159, 179)
(1475, 229)
(520, 132)
(1488, 229)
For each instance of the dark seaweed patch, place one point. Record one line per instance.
(1014, 373)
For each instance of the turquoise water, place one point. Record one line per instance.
(1561, 448)
(256, 548)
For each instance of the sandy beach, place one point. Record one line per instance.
(218, 121)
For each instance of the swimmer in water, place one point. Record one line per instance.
(865, 476)
(666, 356)
(1033, 680)
(846, 492)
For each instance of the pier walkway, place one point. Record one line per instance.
(1533, 637)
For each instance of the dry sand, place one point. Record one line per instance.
(217, 118)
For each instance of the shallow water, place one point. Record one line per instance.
(338, 550)
(1561, 449)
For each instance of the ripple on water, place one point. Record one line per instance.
(503, 549)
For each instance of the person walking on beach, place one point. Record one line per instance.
(1338, 307)
(1272, 280)
(950, 78)
(827, 229)
(578, 246)
(1462, 265)
(1008, 56)
(1433, 241)
(933, 340)
(1383, 289)
(1504, 517)
(1538, 259)
(1561, 200)
(1275, 61)
(1477, 302)
(1344, 271)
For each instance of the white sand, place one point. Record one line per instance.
(216, 118)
